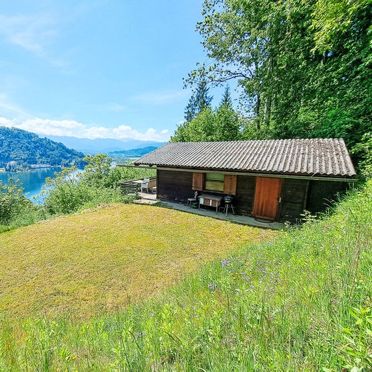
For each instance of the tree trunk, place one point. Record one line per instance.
(268, 110)
(258, 106)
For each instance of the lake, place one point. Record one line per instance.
(31, 181)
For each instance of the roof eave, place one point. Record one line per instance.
(257, 173)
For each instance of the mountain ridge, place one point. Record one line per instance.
(103, 145)
(20, 149)
(132, 153)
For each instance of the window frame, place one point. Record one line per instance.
(220, 180)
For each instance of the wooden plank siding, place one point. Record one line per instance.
(176, 186)
(322, 194)
(230, 184)
(293, 199)
(243, 200)
(295, 196)
(314, 196)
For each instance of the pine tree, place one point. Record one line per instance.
(226, 98)
(199, 101)
(190, 110)
(202, 98)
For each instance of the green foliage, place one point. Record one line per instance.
(226, 98)
(333, 19)
(304, 66)
(69, 191)
(301, 302)
(25, 149)
(201, 128)
(72, 190)
(15, 209)
(199, 100)
(97, 170)
(221, 124)
(364, 151)
(227, 124)
(12, 201)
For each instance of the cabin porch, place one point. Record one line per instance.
(150, 199)
(240, 219)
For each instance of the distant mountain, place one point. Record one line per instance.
(132, 153)
(103, 145)
(21, 149)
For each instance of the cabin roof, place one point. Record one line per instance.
(311, 157)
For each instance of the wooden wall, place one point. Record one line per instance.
(296, 195)
(174, 185)
(314, 196)
(243, 200)
(322, 194)
(293, 199)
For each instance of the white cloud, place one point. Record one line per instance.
(4, 122)
(73, 128)
(27, 32)
(34, 33)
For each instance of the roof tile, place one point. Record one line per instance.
(315, 157)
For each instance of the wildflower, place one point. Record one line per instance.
(225, 262)
(212, 287)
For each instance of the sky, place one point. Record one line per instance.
(97, 68)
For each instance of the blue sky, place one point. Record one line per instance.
(97, 68)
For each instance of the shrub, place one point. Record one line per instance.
(12, 201)
(15, 209)
(72, 190)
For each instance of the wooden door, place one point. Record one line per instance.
(266, 199)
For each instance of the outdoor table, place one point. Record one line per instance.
(210, 200)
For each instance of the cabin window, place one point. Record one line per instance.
(214, 182)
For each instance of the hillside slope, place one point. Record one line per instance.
(102, 260)
(302, 302)
(132, 153)
(24, 149)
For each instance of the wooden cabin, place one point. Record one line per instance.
(268, 179)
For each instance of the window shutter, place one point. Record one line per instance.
(197, 181)
(230, 184)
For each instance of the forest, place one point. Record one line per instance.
(20, 149)
(301, 68)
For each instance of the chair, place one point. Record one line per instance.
(191, 201)
(145, 185)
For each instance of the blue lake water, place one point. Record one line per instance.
(31, 181)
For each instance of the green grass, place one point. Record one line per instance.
(299, 302)
(103, 259)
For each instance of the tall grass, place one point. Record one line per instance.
(302, 302)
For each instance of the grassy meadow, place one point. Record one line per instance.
(298, 301)
(103, 259)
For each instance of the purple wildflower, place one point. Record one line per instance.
(225, 262)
